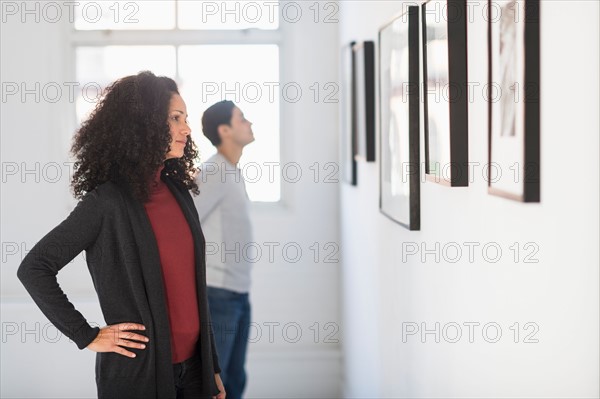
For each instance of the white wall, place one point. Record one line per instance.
(381, 293)
(306, 292)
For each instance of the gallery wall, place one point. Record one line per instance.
(403, 309)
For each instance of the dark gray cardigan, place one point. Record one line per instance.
(122, 257)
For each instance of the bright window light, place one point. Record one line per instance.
(249, 76)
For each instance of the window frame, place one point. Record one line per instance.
(177, 37)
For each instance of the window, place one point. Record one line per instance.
(214, 50)
(125, 15)
(244, 14)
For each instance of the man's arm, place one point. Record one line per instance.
(211, 190)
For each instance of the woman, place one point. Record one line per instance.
(145, 250)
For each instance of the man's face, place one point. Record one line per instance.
(241, 128)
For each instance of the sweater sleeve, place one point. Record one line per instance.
(39, 268)
(211, 191)
(216, 365)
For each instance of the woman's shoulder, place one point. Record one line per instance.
(180, 187)
(105, 195)
(108, 188)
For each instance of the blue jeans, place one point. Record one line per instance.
(230, 317)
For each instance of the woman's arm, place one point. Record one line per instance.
(39, 268)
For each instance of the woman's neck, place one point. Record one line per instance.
(157, 173)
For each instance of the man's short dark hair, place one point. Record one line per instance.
(216, 115)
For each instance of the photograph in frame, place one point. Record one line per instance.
(445, 92)
(363, 73)
(514, 100)
(347, 139)
(399, 119)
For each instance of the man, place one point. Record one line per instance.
(223, 208)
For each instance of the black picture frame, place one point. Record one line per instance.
(399, 185)
(363, 74)
(514, 99)
(445, 88)
(347, 137)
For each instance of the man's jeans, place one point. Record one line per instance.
(230, 316)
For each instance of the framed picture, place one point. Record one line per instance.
(347, 139)
(445, 89)
(399, 112)
(514, 99)
(363, 73)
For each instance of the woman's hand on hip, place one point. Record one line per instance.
(114, 338)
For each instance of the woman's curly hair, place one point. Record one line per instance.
(127, 137)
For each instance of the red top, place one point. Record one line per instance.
(176, 248)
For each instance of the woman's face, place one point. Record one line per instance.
(178, 125)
